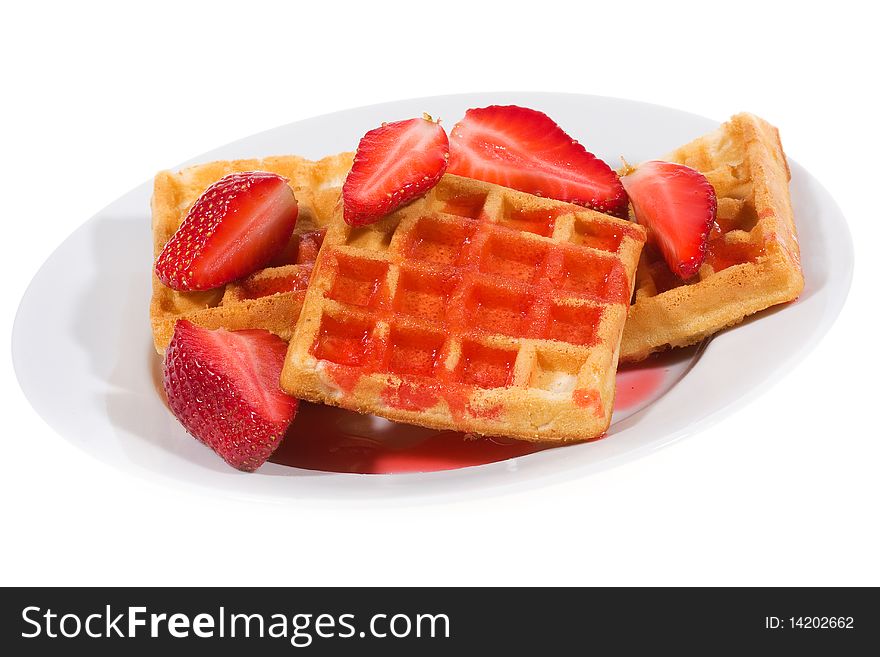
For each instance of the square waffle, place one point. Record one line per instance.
(476, 308)
(753, 260)
(271, 297)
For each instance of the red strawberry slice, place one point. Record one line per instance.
(235, 227)
(394, 164)
(677, 205)
(526, 150)
(224, 388)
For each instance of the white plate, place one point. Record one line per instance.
(82, 347)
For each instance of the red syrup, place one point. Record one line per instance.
(332, 439)
(540, 222)
(465, 206)
(336, 440)
(722, 255)
(636, 385)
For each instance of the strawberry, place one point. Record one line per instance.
(224, 388)
(394, 164)
(525, 149)
(235, 227)
(677, 205)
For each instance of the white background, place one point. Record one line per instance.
(97, 98)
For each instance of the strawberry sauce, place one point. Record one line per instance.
(465, 206)
(606, 237)
(297, 281)
(540, 222)
(336, 440)
(722, 254)
(636, 385)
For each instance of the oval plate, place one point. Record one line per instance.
(83, 353)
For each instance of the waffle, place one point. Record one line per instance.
(476, 308)
(753, 261)
(271, 297)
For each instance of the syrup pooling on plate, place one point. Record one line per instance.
(331, 439)
(336, 440)
(636, 385)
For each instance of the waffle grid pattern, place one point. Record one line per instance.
(272, 297)
(753, 260)
(477, 308)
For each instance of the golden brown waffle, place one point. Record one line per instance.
(269, 298)
(753, 260)
(476, 308)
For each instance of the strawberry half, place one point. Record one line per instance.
(224, 388)
(677, 205)
(394, 164)
(235, 227)
(526, 150)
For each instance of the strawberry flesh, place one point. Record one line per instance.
(677, 205)
(394, 164)
(525, 149)
(236, 226)
(224, 388)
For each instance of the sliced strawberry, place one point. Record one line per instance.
(224, 388)
(524, 149)
(235, 227)
(393, 165)
(677, 205)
